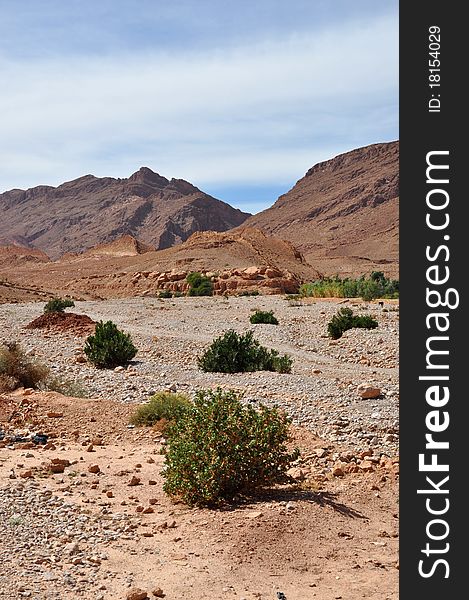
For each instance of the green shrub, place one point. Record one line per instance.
(199, 285)
(235, 353)
(109, 347)
(58, 305)
(345, 319)
(17, 369)
(263, 316)
(162, 405)
(165, 294)
(218, 448)
(280, 364)
(376, 286)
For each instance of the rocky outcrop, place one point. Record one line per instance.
(20, 255)
(263, 280)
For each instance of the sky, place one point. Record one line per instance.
(239, 98)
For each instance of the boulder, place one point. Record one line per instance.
(271, 273)
(251, 273)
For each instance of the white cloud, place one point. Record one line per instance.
(258, 113)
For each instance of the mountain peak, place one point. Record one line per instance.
(90, 210)
(146, 175)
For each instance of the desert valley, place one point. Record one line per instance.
(83, 508)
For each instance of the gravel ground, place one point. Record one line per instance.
(62, 539)
(45, 539)
(320, 393)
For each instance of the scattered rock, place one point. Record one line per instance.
(137, 594)
(338, 470)
(368, 391)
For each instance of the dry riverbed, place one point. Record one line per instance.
(79, 534)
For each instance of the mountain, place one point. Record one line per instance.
(343, 214)
(88, 211)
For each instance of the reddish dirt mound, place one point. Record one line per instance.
(64, 322)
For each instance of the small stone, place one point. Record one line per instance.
(90, 448)
(368, 391)
(136, 594)
(321, 452)
(119, 369)
(338, 471)
(255, 515)
(54, 415)
(110, 494)
(153, 501)
(26, 474)
(58, 465)
(158, 593)
(71, 548)
(134, 481)
(296, 473)
(94, 469)
(151, 482)
(148, 510)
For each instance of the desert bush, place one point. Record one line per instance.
(345, 319)
(368, 288)
(7, 383)
(67, 387)
(235, 353)
(199, 285)
(58, 305)
(17, 369)
(218, 448)
(165, 294)
(109, 347)
(263, 316)
(280, 363)
(162, 405)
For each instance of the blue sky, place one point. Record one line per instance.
(238, 98)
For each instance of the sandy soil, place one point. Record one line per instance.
(334, 540)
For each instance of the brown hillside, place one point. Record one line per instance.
(126, 245)
(17, 255)
(275, 266)
(88, 211)
(343, 214)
